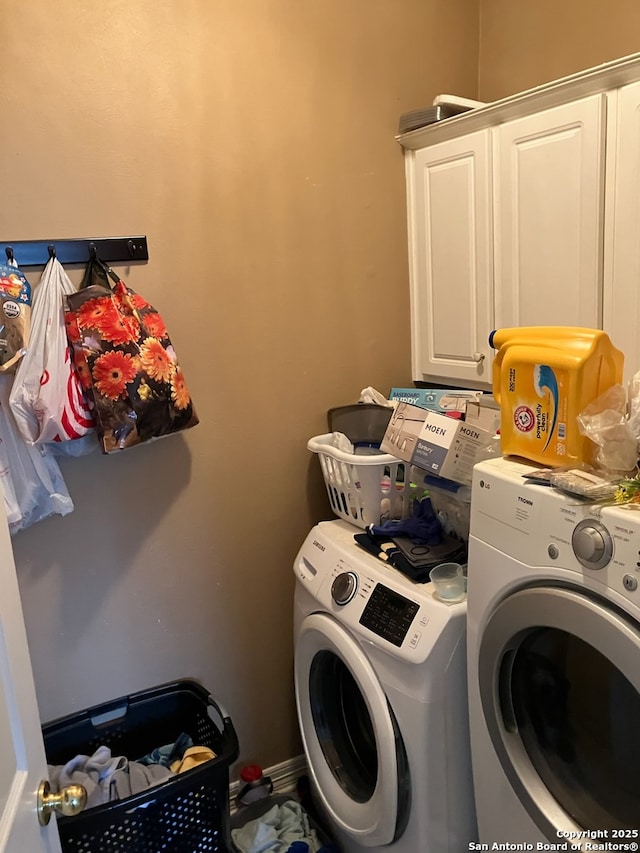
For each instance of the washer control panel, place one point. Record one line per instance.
(389, 614)
(373, 601)
(344, 587)
(592, 544)
(541, 526)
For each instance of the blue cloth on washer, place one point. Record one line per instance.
(276, 830)
(423, 527)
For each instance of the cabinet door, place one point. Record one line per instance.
(549, 192)
(622, 248)
(450, 254)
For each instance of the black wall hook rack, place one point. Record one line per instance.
(112, 250)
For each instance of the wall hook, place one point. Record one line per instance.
(114, 250)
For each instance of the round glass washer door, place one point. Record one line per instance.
(351, 739)
(559, 675)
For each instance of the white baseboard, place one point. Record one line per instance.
(284, 777)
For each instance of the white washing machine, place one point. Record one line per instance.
(380, 682)
(553, 663)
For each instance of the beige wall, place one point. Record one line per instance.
(253, 143)
(524, 44)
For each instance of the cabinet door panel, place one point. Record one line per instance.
(549, 190)
(450, 235)
(622, 267)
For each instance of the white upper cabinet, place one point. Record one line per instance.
(450, 239)
(549, 194)
(526, 212)
(622, 227)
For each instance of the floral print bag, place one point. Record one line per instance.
(125, 361)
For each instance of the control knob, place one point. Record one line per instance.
(592, 544)
(344, 587)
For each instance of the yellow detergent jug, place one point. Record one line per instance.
(543, 377)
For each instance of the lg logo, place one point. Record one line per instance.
(484, 484)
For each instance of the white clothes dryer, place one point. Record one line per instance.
(553, 664)
(380, 683)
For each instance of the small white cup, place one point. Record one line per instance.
(449, 581)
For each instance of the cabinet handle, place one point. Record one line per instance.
(478, 357)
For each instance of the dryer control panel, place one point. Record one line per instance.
(388, 614)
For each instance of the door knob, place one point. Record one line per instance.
(478, 357)
(68, 801)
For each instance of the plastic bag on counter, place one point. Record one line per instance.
(47, 398)
(584, 481)
(31, 480)
(605, 422)
(634, 407)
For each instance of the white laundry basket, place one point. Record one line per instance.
(365, 489)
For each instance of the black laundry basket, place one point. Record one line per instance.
(189, 813)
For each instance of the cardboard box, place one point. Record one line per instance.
(433, 442)
(484, 413)
(441, 400)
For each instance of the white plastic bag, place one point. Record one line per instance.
(634, 407)
(371, 395)
(604, 421)
(46, 398)
(31, 480)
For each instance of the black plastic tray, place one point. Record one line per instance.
(430, 115)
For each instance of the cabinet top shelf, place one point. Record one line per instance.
(602, 78)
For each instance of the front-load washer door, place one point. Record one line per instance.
(559, 678)
(351, 739)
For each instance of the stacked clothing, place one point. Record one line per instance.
(413, 545)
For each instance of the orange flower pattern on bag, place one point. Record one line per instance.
(126, 362)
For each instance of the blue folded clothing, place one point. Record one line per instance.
(423, 527)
